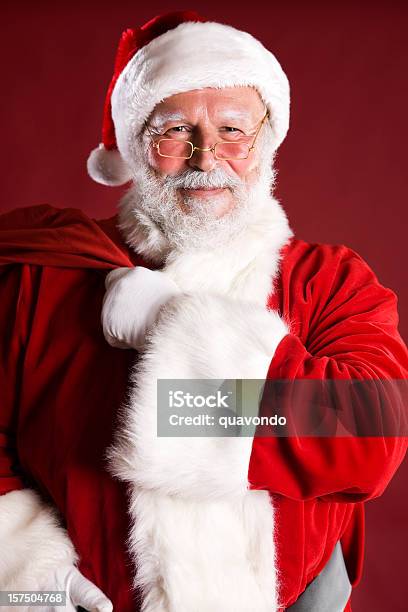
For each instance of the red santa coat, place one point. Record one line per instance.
(63, 385)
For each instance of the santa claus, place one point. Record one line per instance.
(198, 277)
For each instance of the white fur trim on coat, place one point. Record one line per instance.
(201, 540)
(212, 555)
(194, 56)
(32, 541)
(196, 337)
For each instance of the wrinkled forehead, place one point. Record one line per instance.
(242, 104)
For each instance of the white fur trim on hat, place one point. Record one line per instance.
(194, 56)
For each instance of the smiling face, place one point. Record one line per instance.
(203, 201)
(204, 117)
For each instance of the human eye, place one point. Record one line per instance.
(230, 132)
(177, 129)
(230, 129)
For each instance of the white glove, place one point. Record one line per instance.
(79, 591)
(132, 302)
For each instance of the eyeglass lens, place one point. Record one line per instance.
(183, 149)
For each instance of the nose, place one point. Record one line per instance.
(203, 160)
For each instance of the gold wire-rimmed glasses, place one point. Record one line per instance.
(223, 150)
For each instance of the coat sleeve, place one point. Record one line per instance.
(348, 333)
(32, 540)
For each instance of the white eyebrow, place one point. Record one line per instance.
(160, 119)
(234, 115)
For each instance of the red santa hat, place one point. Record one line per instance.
(172, 53)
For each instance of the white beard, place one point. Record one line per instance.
(199, 226)
(150, 212)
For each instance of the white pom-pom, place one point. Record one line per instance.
(108, 167)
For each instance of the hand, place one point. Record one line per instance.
(79, 591)
(132, 302)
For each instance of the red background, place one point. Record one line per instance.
(342, 177)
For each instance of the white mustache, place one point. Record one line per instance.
(194, 179)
